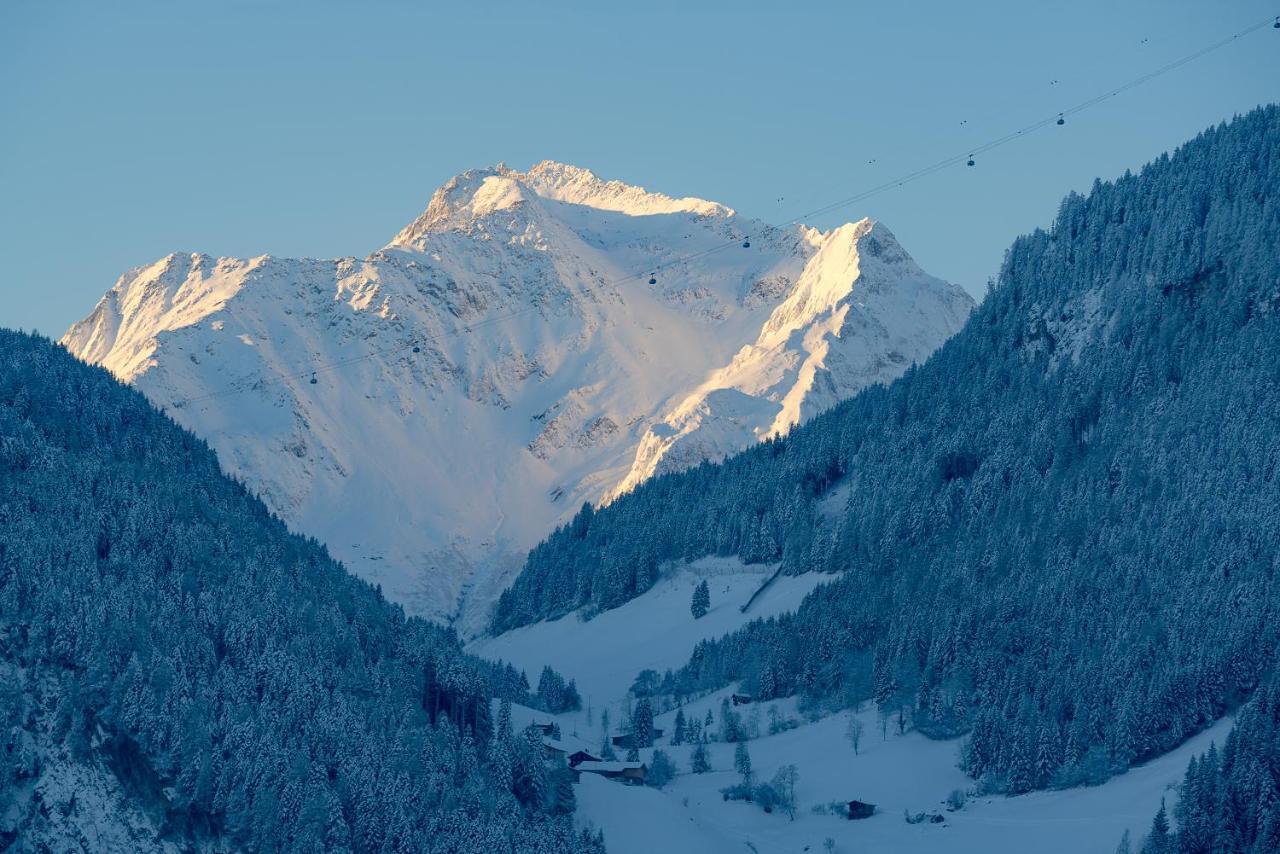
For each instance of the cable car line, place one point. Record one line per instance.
(971, 158)
(744, 241)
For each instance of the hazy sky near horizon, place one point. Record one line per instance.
(131, 130)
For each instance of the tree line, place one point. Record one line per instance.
(1058, 536)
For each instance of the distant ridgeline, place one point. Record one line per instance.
(176, 667)
(1060, 534)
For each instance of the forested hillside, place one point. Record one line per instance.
(1229, 802)
(176, 667)
(1059, 535)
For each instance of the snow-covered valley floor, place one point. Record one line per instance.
(897, 772)
(907, 772)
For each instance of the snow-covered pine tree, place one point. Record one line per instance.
(700, 759)
(642, 723)
(701, 602)
(742, 762)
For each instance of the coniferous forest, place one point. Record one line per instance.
(242, 688)
(1058, 536)
(1229, 801)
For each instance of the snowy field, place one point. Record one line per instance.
(654, 631)
(898, 773)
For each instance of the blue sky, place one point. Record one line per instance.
(129, 130)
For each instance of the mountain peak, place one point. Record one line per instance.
(478, 193)
(564, 182)
(435, 409)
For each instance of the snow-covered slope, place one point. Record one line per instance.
(898, 771)
(654, 631)
(549, 371)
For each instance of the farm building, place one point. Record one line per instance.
(579, 756)
(861, 809)
(567, 747)
(632, 773)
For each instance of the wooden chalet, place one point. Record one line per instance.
(569, 748)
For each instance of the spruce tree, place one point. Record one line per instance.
(701, 603)
(572, 699)
(503, 727)
(700, 761)
(677, 731)
(642, 724)
(661, 769)
(1158, 842)
(559, 791)
(742, 762)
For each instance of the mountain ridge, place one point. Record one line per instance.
(545, 360)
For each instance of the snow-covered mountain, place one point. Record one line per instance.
(433, 410)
